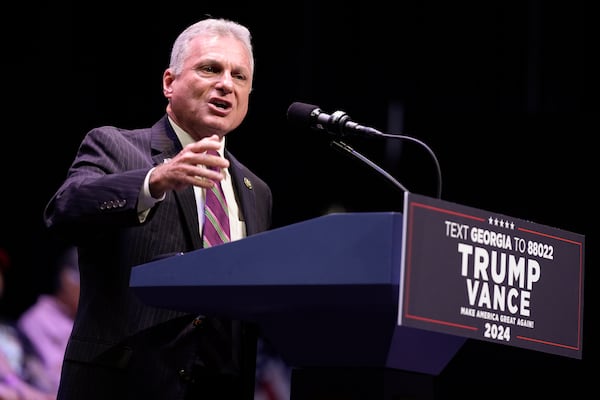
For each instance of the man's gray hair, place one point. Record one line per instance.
(212, 26)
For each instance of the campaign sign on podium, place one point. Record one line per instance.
(487, 276)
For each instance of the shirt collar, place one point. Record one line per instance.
(186, 139)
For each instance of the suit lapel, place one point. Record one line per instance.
(245, 193)
(186, 202)
(165, 145)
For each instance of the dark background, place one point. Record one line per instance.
(500, 91)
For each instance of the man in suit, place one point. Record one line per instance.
(132, 196)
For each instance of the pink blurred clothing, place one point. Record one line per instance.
(47, 325)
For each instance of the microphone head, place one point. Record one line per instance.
(301, 114)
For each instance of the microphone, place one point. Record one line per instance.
(338, 124)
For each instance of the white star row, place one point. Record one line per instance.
(501, 223)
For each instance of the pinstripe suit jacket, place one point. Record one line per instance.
(121, 348)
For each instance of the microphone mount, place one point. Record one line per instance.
(339, 124)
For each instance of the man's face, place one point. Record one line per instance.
(212, 92)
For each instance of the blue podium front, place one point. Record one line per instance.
(324, 292)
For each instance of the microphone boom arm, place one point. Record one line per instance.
(354, 153)
(351, 151)
(339, 124)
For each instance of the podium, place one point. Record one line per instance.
(324, 292)
(355, 314)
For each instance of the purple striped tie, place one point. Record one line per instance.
(216, 219)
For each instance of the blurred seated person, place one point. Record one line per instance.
(48, 322)
(16, 361)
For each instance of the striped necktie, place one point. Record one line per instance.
(216, 216)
